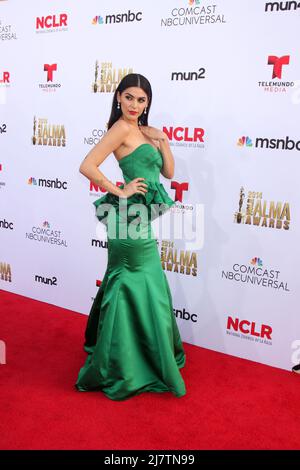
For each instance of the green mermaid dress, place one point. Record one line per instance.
(132, 341)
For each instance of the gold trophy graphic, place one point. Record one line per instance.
(238, 215)
(96, 77)
(63, 136)
(34, 130)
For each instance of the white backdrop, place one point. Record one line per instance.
(230, 301)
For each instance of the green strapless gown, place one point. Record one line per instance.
(131, 338)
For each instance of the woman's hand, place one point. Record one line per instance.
(164, 147)
(135, 186)
(153, 133)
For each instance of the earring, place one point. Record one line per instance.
(118, 105)
(145, 110)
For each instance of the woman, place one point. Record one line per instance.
(132, 339)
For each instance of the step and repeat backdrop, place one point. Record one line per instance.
(226, 90)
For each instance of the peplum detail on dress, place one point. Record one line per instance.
(156, 200)
(146, 162)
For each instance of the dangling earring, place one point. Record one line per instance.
(145, 110)
(118, 105)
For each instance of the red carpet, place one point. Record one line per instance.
(231, 403)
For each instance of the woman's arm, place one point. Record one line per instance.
(110, 142)
(168, 167)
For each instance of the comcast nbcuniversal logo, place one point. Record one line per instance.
(256, 274)
(7, 32)
(46, 234)
(193, 13)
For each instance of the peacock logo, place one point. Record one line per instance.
(32, 180)
(244, 142)
(97, 20)
(46, 224)
(257, 262)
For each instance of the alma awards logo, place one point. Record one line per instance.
(2, 183)
(184, 262)
(5, 271)
(46, 134)
(109, 77)
(262, 213)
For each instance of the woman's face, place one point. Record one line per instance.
(133, 101)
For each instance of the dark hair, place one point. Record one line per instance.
(136, 80)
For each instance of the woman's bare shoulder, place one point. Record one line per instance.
(120, 126)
